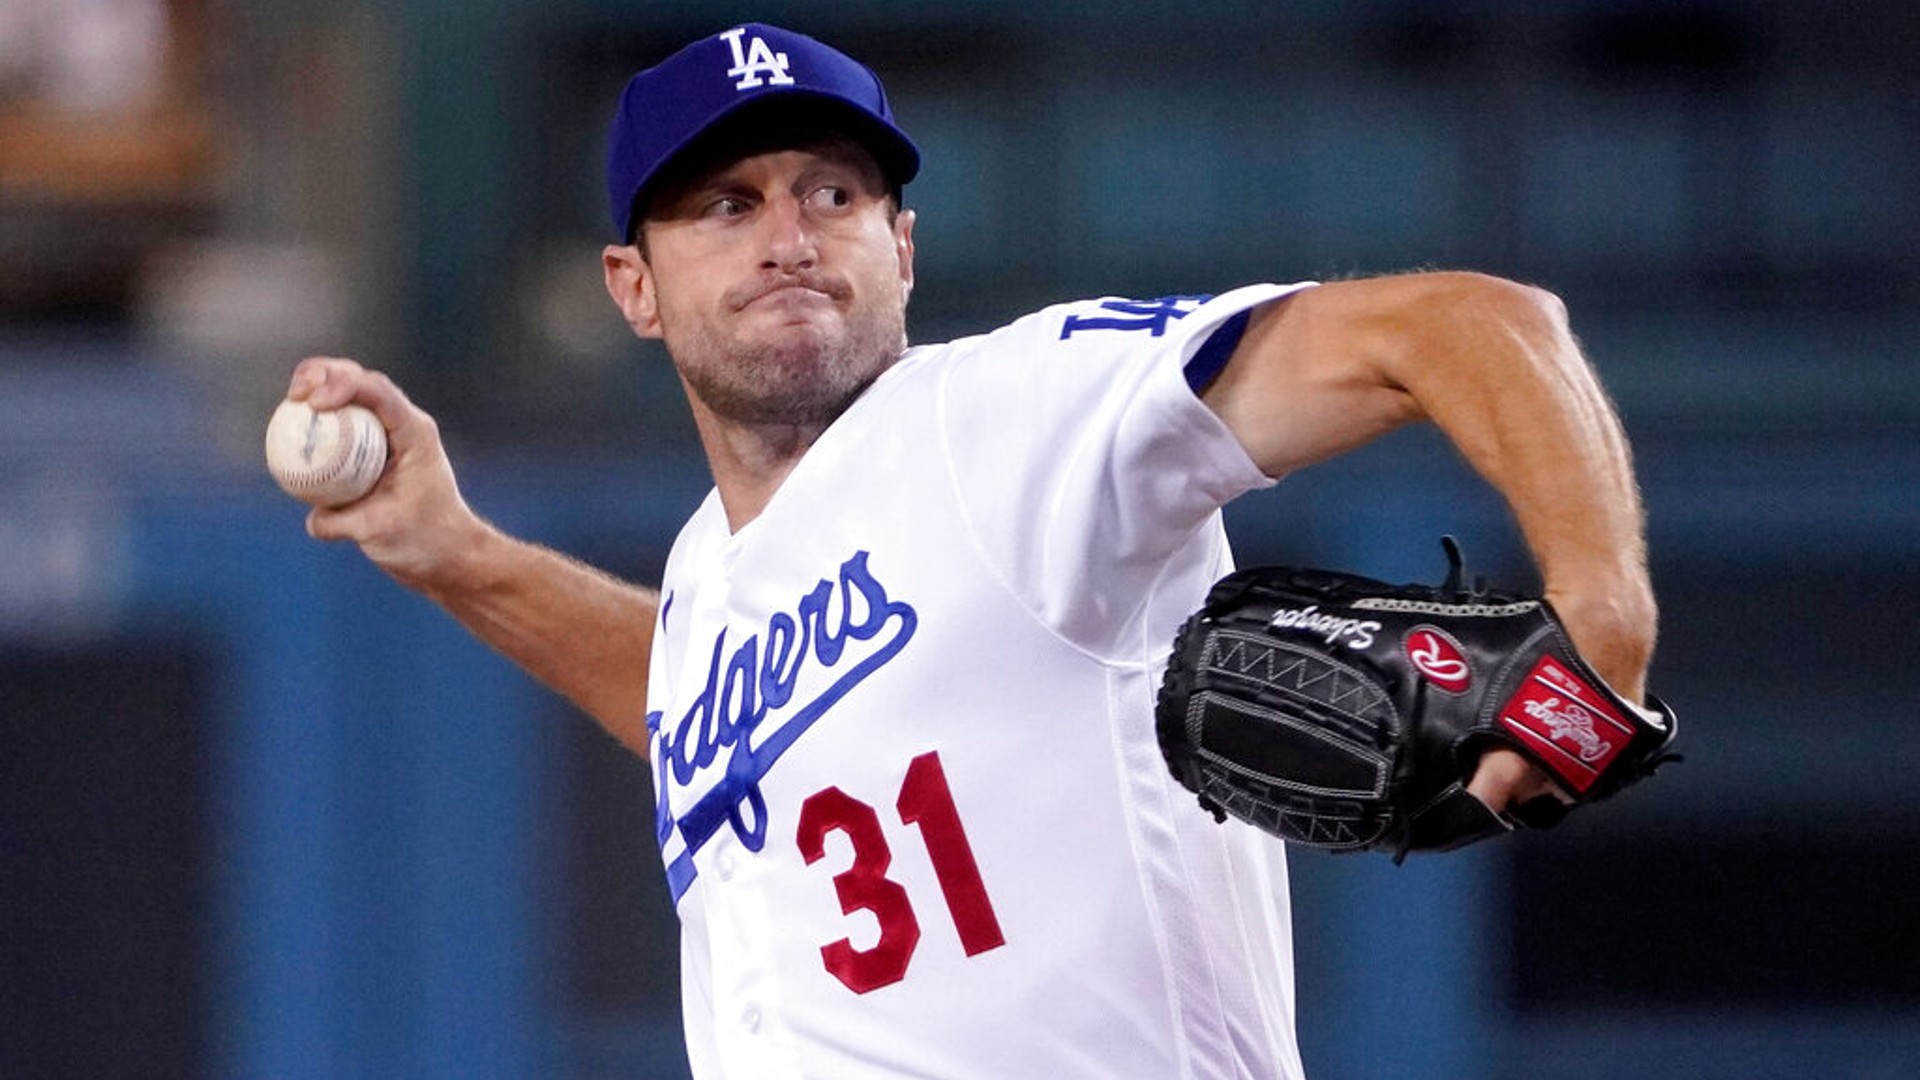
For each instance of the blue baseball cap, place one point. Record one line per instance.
(667, 107)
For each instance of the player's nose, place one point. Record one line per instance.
(789, 239)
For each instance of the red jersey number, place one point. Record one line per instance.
(925, 800)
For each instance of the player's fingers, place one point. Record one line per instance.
(329, 382)
(358, 521)
(408, 426)
(1504, 779)
(325, 382)
(324, 524)
(351, 384)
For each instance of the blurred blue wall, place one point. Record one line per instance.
(395, 856)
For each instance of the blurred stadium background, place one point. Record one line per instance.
(264, 815)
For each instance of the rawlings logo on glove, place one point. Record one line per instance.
(1340, 712)
(1439, 658)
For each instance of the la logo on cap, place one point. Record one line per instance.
(755, 60)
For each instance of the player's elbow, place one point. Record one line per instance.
(1540, 304)
(1507, 301)
(1494, 319)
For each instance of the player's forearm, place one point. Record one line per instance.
(1496, 367)
(581, 632)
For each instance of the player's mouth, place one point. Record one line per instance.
(784, 291)
(790, 296)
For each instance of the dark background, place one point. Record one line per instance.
(264, 814)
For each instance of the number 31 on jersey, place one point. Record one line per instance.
(925, 801)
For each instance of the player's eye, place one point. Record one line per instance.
(727, 206)
(830, 196)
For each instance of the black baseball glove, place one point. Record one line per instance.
(1340, 712)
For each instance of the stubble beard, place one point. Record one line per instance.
(800, 376)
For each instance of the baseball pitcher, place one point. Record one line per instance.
(898, 685)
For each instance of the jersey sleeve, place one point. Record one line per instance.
(1083, 457)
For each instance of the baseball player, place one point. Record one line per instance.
(897, 684)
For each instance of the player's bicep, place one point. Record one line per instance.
(1308, 380)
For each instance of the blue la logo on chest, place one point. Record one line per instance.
(751, 686)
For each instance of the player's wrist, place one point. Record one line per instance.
(1613, 626)
(470, 558)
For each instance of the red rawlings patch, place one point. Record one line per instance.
(1436, 655)
(1573, 731)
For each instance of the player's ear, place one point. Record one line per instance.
(903, 246)
(630, 283)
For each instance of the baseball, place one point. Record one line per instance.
(325, 458)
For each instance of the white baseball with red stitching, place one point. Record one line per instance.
(325, 458)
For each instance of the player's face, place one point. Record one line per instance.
(779, 282)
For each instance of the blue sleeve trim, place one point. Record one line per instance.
(1212, 358)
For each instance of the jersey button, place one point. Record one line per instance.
(725, 865)
(750, 1019)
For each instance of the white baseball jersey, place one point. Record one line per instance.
(913, 813)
